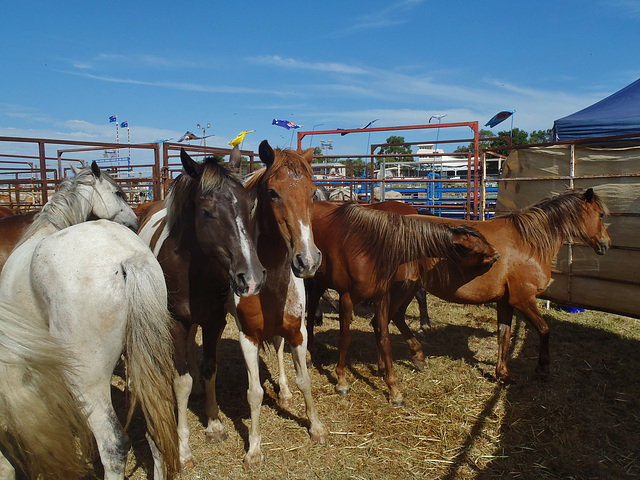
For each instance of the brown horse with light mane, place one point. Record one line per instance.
(528, 241)
(362, 250)
(283, 192)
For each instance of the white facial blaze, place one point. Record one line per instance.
(307, 240)
(245, 248)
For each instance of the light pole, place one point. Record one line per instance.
(204, 133)
(313, 130)
(439, 118)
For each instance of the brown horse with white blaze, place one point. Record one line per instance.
(528, 242)
(201, 237)
(283, 192)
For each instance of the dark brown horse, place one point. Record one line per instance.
(362, 250)
(201, 239)
(528, 241)
(284, 240)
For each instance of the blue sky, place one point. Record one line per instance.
(166, 66)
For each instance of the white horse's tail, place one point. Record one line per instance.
(41, 422)
(149, 353)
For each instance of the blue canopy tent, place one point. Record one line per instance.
(618, 114)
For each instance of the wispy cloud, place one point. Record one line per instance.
(292, 63)
(629, 8)
(109, 61)
(184, 86)
(391, 16)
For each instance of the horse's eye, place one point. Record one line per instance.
(273, 194)
(207, 214)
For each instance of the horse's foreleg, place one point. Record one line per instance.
(505, 317)
(192, 357)
(384, 341)
(211, 334)
(255, 394)
(317, 430)
(182, 384)
(346, 312)
(285, 397)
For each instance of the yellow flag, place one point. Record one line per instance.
(238, 140)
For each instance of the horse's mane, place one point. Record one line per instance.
(183, 190)
(282, 158)
(65, 207)
(391, 239)
(542, 224)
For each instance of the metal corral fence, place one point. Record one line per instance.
(437, 183)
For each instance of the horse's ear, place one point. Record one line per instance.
(235, 159)
(191, 167)
(588, 195)
(95, 169)
(75, 170)
(308, 155)
(266, 153)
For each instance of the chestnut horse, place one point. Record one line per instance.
(528, 242)
(282, 227)
(11, 229)
(202, 240)
(362, 250)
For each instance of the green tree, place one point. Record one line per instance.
(541, 136)
(483, 134)
(357, 164)
(395, 147)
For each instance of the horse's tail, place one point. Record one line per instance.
(42, 427)
(149, 353)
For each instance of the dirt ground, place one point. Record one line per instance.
(458, 423)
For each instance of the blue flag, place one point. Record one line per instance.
(124, 124)
(113, 118)
(286, 124)
(499, 118)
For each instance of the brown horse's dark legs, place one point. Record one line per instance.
(533, 315)
(401, 296)
(382, 314)
(314, 292)
(346, 311)
(421, 298)
(505, 316)
(211, 334)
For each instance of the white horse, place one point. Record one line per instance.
(73, 296)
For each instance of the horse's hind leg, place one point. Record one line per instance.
(7, 472)
(505, 317)
(346, 312)
(113, 444)
(401, 297)
(425, 321)
(530, 310)
(314, 293)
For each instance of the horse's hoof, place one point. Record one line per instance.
(252, 461)
(215, 436)
(319, 437)
(506, 380)
(419, 364)
(542, 371)
(285, 402)
(187, 463)
(398, 402)
(342, 391)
